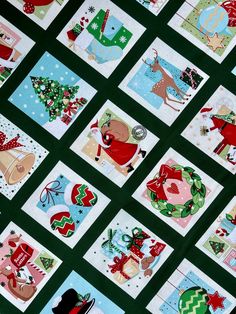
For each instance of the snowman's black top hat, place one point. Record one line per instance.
(68, 301)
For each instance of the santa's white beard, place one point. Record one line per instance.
(97, 135)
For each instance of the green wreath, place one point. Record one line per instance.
(191, 207)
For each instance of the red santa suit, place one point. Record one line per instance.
(121, 152)
(227, 130)
(6, 55)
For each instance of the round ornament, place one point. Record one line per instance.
(79, 194)
(139, 132)
(213, 19)
(61, 220)
(194, 300)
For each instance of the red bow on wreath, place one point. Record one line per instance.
(119, 264)
(9, 145)
(156, 185)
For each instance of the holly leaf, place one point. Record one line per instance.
(166, 212)
(189, 169)
(194, 209)
(152, 196)
(11, 251)
(201, 202)
(194, 190)
(79, 303)
(185, 212)
(176, 213)
(177, 167)
(169, 206)
(203, 190)
(80, 297)
(229, 217)
(196, 198)
(87, 296)
(196, 176)
(161, 205)
(186, 175)
(198, 183)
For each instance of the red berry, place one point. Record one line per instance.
(28, 8)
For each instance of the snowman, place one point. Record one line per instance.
(73, 303)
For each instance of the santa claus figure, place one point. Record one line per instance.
(225, 124)
(7, 57)
(112, 139)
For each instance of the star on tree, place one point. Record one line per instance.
(215, 42)
(216, 301)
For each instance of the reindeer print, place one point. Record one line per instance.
(167, 80)
(163, 81)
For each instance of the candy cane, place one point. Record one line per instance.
(221, 232)
(193, 84)
(36, 268)
(83, 21)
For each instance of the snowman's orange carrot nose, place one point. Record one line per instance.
(104, 23)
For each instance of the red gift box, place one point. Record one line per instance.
(157, 248)
(135, 242)
(66, 119)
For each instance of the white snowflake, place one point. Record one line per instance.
(26, 86)
(41, 115)
(33, 113)
(47, 55)
(36, 101)
(62, 78)
(122, 39)
(66, 73)
(11, 99)
(31, 96)
(56, 66)
(72, 78)
(42, 68)
(20, 95)
(94, 26)
(25, 106)
(51, 73)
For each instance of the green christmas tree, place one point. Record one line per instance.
(217, 247)
(55, 96)
(47, 262)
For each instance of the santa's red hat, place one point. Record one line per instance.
(94, 125)
(204, 110)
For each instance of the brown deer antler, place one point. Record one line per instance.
(156, 54)
(144, 61)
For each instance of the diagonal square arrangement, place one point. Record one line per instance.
(117, 157)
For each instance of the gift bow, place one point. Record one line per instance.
(119, 264)
(9, 145)
(156, 185)
(71, 109)
(136, 235)
(109, 243)
(49, 190)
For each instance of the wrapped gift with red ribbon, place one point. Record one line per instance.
(71, 109)
(66, 119)
(135, 242)
(157, 248)
(124, 268)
